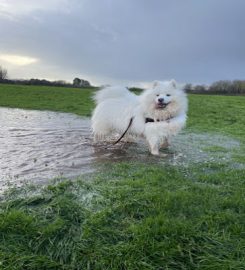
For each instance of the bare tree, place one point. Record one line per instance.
(3, 73)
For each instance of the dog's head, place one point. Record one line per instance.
(164, 98)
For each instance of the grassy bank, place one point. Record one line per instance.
(62, 99)
(132, 215)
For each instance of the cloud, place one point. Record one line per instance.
(126, 41)
(17, 60)
(15, 8)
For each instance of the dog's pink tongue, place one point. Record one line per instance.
(161, 105)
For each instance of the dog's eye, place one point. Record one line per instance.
(168, 95)
(157, 95)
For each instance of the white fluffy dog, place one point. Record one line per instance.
(157, 114)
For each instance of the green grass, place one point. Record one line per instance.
(132, 215)
(135, 217)
(221, 114)
(74, 100)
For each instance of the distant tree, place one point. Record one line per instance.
(200, 88)
(60, 82)
(3, 73)
(80, 83)
(85, 83)
(238, 87)
(222, 87)
(188, 87)
(77, 82)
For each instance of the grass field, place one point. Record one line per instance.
(132, 215)
(63, 99)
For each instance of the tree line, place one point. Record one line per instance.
(77, 82)
(223, 87)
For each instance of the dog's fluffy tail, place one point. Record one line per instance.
(110, 92)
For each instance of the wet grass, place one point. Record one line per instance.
(216, 149)
(132, 215)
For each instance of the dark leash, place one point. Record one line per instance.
(129, 125)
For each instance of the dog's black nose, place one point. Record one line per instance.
(161, 100)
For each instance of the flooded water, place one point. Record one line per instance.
(38, 145)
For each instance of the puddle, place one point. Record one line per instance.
(38, 145)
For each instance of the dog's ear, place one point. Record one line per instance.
(173, 83)
(155, 84)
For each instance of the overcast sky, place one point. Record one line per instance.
(123, 41)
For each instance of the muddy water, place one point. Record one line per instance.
(38, 145)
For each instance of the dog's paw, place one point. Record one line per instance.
(160, 155)
(155, 153)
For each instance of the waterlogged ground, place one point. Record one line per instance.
(130, 215)
(40, 145)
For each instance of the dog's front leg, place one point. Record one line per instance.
(154, 146)
(154, 134)
(154, 149)
(152, 139)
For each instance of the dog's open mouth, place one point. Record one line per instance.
(161, 105)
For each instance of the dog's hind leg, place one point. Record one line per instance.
(165, 144)
(98, 137)
(100, 132)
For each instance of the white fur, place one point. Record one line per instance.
(117, 105)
